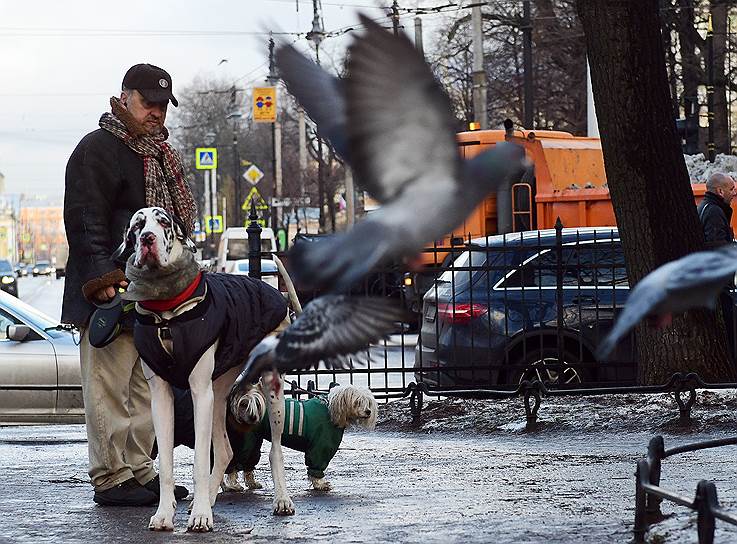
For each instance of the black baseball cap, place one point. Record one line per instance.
(152, 82)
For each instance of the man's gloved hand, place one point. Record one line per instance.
(107, 293)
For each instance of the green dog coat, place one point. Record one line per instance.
(307, 428)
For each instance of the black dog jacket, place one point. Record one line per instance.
(237, 311)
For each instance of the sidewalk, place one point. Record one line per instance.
(561, 484)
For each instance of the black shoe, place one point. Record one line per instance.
(128, 493)
(180, 492)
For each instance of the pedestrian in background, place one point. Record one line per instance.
(119, 168)
(715, 214)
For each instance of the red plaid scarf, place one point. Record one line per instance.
(163, 171)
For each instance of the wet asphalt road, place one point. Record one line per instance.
(469, 473)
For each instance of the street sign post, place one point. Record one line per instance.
(286, 202)
(264, 104)
(253, 174)
(261, 205)
(213, 224)
(206, 158)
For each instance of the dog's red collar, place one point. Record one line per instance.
(171, 303)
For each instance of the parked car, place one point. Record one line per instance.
(42, 363)
(491, 318)
(42, 268)
(8, 282)
(269, 272)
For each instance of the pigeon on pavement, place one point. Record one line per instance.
(394, 124)
(693, 281)
(331, 329)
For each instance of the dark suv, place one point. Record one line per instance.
(492, 317)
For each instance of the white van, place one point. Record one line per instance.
(234, 247)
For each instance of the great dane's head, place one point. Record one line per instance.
(157, 236)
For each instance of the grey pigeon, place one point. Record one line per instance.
(400, 133)
(693, 281)
(330, 329)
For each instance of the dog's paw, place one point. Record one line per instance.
(251, 482)
(200, 519)
(283, 506)
(163, 519)
(230, 483)
(320, 484)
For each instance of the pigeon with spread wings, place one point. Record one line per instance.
(394, 124)
(331, 329)
(693, 281)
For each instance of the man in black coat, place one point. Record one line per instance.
(715, 214)
(119, 168)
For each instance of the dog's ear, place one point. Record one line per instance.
(128, 243)
(182, 233)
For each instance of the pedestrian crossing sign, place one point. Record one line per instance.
(206, 158)
(264, 104)
(213, 223)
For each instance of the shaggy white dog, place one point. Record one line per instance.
(314, 426)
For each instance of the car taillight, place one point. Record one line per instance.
(460, 313)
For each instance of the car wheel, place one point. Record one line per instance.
(544, 366)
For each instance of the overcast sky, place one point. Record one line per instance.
(60, 61)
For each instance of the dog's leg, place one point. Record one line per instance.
(200, 382)
(162, 413)
(274, 385)
(222, 451)
(250, 480)
(319, 484)
(230, 482)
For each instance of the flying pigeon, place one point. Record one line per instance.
(693, 281)
(394, 124)
(330, 329)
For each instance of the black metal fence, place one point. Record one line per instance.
(514, 315)
(649, 494)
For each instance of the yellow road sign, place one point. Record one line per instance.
(264, 104)
(254, 195)
(206, 158)
(213, 223)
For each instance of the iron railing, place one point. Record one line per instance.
(649, 494)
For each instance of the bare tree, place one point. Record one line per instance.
(647, 176)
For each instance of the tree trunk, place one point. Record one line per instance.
(647, 176)
(721, 114)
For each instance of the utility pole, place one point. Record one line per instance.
(272, 79)
(316, 35)
(234, 115)
(479, 74)
(527, 61)
(418, 36)
(395, 17)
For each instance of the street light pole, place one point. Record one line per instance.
(316, 35)
(272, 79)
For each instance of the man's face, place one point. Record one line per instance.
(151, 115)
(728, 191)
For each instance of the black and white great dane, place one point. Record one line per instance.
(160, 268)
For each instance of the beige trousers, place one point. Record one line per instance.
(117, 405)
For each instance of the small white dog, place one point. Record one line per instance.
(314, 426)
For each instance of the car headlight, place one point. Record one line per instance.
(35, 270)
(8, 279)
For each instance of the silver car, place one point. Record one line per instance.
(39, 367)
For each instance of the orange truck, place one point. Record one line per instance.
(569, 182)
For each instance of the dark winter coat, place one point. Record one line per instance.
(104, 186)
(715, 216)
(237, 311)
